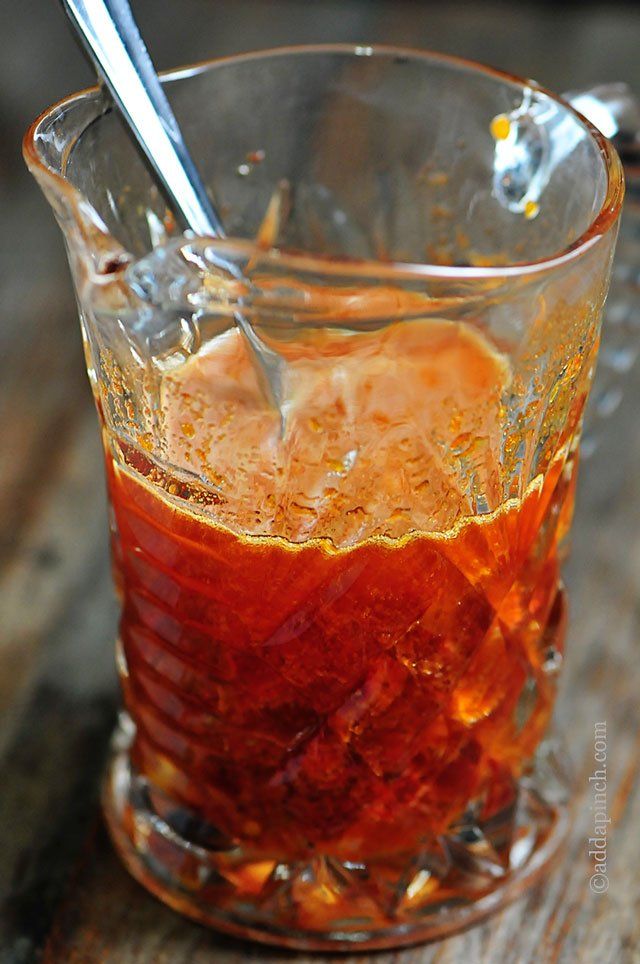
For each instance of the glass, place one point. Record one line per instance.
(342, 621)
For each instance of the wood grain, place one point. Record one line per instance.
(64, 897)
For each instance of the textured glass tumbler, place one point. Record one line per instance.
(342, 615)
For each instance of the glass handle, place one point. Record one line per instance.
(615, 111)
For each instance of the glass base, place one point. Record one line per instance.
(330, 904)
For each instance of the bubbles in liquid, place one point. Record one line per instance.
(334, 646)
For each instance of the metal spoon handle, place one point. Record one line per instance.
(112, 39)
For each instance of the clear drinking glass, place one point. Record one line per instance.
(342, 619)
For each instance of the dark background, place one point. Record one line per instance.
(558, 44)
(62, 893)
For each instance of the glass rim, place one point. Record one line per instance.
(300, 261)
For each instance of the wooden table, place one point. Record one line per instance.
(65, 897)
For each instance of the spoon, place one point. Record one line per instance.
(111, 38)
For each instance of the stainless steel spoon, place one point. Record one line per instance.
(113, 42)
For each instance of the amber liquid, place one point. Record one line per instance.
(329, 652)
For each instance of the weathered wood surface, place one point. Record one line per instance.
(65, 898)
